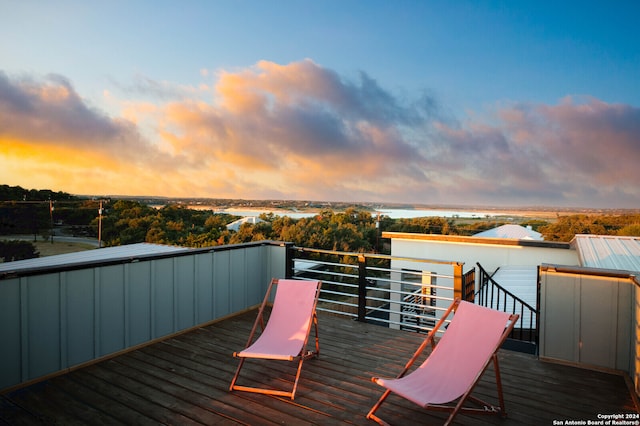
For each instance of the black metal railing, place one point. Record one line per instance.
(491, 294)
(398, 292)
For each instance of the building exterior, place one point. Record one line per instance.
(491, 253)
(75, 311)
(235, 225)
(588, 289)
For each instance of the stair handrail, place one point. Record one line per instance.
(483, 272)
(485, 278)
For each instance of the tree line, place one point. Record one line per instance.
(352, 230)
(31, 211)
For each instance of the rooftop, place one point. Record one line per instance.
(511, 231)
(185, 380)
(608, 252)
(103, 255)
(235, 225)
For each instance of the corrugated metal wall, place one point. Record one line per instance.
(588, 320)
(53, 321)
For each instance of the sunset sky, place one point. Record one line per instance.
(493, 103)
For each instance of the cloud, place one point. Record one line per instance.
(48, 132)
(50, 112)
(594, 138)
(580, 152)
(297, 118)
(303, 131)
(147, 87)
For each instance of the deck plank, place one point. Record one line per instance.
(185, 380)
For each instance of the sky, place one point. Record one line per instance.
(485, 103)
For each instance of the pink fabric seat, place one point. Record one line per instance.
(289, 322)
(287, 331)
(456, 363)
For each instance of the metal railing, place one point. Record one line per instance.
(491, 294)
(397, 292)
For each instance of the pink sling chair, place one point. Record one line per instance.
(447, 377)
(287, 331)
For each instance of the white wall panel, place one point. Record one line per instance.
(490, 256)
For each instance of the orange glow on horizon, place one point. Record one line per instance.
(54, 154)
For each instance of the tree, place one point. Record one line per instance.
(568, 226)
(630, 230)
(17, 250)
(421, 225)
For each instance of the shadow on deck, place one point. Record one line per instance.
(185, 379)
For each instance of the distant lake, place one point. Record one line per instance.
(249, 213)
(412, 213)
(392, 213)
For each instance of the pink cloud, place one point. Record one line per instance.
(271, 115)
(301, 130)
(573, 152)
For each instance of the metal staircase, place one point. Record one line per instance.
(524, 337)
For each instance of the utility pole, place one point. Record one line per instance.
(51, 217)
(378, 233)
(100, 225)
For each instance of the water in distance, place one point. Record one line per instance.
(392, 213)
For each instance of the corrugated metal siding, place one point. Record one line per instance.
(609, 252)
(55, 319)
(96, 255)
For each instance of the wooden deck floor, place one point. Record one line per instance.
(184, 380)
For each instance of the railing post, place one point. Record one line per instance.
(537, 330)
(362, 287)
(289, 261)
(469, 285)
(457, 280)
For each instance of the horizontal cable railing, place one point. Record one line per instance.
(370, 287)
(400, 292)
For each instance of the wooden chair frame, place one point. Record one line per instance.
(302, 355)
(455, 407)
